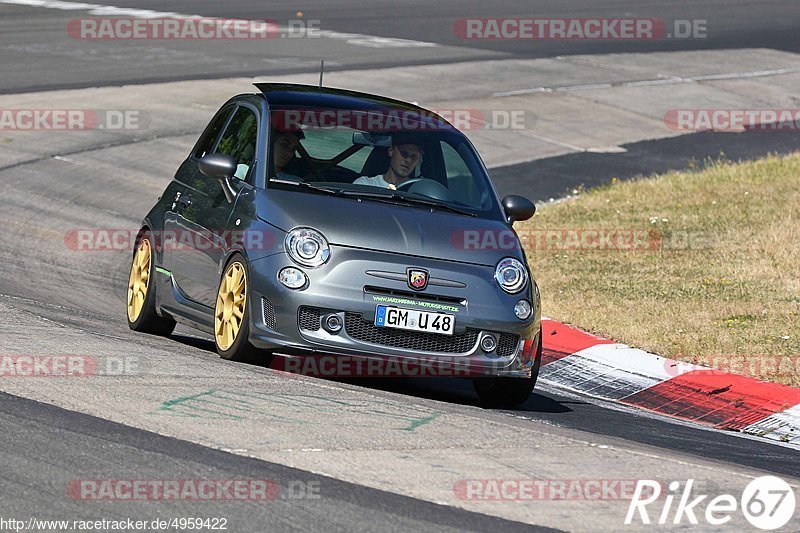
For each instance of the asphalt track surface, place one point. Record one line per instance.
(43, 446)
(49, 433)
(37, 36)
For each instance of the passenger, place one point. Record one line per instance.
(286, 145)
(404, 156)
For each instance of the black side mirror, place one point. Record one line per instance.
(220, 167)
(518, 208)
(217, 166)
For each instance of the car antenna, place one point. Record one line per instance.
(321, 72)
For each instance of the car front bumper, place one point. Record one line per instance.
(355, 282)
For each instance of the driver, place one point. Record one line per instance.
(404, 156)
(286, 145)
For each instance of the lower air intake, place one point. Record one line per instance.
(269, 313)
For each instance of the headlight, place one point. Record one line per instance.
(511, 275)
(307, 247)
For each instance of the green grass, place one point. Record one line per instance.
(718, 282)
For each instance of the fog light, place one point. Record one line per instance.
(522, 309)
(488, 343)
(333, 323)
(291, 277)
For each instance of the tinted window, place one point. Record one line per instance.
(212, 132)
(239, 140)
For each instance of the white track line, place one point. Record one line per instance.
(356, 39)
(660, 81)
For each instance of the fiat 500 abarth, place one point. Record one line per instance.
(316, 222)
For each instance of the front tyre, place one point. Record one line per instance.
(231, 315)
(508, 392)
(141, 299)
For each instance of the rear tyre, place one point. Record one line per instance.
(231, 314)
(508, 392)
(142, 315)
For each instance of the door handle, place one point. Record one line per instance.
(183, 200)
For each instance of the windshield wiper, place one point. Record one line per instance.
(437, 205)
(397, 198)
(305, 185)
(392, 198)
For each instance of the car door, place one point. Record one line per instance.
(174, 237)
(203, 212)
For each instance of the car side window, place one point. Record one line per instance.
(212, 132)
(240, 140)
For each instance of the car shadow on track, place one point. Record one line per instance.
(195, 342)
(455, 390)
(451, 390)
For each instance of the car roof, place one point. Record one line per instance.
(299, 95)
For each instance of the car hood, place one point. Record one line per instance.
(385, 227)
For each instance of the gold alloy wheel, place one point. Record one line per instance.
(229, 312)
(139, 280)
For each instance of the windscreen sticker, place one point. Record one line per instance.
(405, 301)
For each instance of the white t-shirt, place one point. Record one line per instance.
(375, 181)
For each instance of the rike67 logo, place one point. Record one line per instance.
(767, 502)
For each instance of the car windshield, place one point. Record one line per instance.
(394, 155)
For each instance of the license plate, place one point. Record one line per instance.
(414, 320)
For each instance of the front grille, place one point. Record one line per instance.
(507, 344)
(371, 289)
(269, 313)
(364, 331)
(309, 318)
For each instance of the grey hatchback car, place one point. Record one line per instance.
(311, 222)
